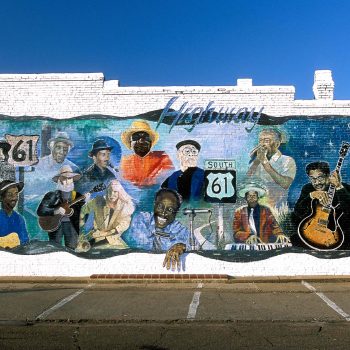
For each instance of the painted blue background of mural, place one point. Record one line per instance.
(307, 140)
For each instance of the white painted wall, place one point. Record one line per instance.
(69, 95)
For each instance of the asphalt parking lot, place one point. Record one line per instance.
(304, 314)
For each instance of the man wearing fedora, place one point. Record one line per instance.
(253, 222)
(10, 220)
(60, 145)
(7, 171)
(144, 167)
(189, 180)
(52, 202)
(101, 169)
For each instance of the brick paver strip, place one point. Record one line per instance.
(161, 276)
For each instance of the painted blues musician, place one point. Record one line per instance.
(159, 231)
(254, 223)
(320, 178)
(271, 168)
(10, 220)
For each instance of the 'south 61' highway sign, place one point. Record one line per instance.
(220, 181)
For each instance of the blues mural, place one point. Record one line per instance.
(175, 181)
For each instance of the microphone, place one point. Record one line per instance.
(195, 211)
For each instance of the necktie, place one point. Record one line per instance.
(252, 223)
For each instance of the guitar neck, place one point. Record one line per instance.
(331, 190)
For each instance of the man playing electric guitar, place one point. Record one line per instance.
(53, 203)
(320, 179)
(13, 229)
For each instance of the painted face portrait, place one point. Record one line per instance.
(59, 151)
(10, 198)
(113, 191)
(269, 142)
(318, 179)
(141, 143)
(65, 184)
(188, 156)
(165, 209)
(102, 158)
(252, 199)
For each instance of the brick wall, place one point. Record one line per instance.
(70, 95)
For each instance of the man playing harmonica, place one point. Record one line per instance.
(275, 170)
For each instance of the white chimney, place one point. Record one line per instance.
(323, 87)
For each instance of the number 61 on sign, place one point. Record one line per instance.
(220, 181)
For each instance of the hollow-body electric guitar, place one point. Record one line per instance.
(321, 229)
(51, 223)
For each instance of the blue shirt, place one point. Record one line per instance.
(144, 234)
(13, 223)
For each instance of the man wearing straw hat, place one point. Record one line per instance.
(144, 167)
(254, 223)
(52, 202)
(10, 220)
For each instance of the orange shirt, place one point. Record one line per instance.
(144, 171)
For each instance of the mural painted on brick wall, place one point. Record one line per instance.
(175, 181)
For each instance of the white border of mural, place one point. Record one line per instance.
(62, 264)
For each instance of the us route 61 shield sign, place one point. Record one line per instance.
(220, 181)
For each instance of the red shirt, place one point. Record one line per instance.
(145, 171)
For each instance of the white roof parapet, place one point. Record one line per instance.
(51, 77)
(113, 89)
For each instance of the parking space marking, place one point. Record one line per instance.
(62, 302)
(192, 310)
(329, 302)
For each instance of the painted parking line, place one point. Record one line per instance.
(62, 302)
(192, 310)
(329, 302)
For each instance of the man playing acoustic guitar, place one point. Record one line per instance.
(12, 224)
(53, 204)
(320, 179)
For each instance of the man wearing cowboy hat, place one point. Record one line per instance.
(254, 222)
(189, 180)
(52, 202)
(7, 171)
(60, 145)
(101, 169)
(144, 167)
(10, 220)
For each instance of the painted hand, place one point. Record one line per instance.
(282, 239)
(172, 257)
(261, 154)
(321, 196)
(335, 180)
(59, 211)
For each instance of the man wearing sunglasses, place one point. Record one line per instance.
(320, 178)
(144, 167)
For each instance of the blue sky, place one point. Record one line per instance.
(154, 42)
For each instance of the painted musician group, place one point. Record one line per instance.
(92, 207)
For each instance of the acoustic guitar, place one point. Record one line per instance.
(321, 229)
(51, 223)
(10, 241)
